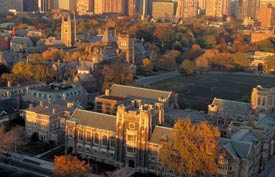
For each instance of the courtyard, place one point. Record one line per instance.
(196, 92)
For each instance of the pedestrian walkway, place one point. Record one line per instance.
(44, 153)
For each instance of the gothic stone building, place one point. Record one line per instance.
(132, 138)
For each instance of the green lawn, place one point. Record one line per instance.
(198, 91)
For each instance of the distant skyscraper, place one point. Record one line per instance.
(84, 7)
(217, 8)
(109, 6)
(163, 9)
(67, 4)
(45, 5)
(187, 8)
(11, 4)
(248, 8)
(30, 5)
(266, 15)
(268, 2)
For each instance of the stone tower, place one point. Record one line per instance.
(67, 30)
(126, 44)
(134, 129)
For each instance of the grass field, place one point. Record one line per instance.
(198, 91)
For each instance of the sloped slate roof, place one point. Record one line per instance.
(95, 119)
(138, 92)
(160, 134)
(237, 149)
(233, 107)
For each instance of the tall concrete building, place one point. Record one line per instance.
(11, 4)
(266, 15)
(217, 8)
(30, 5)
(248, 8)
(268, 2)
(163, 9)
(67, 4)
(109, 6)
(84, 7)
(45, 5)
(187, 8)
(134, 7)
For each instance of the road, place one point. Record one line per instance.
(153, 79)
(8, 171)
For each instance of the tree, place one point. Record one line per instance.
(240, 60)
(270, 64)
(42, 73)
(265, 46)
(10, 138)
(192, 149)
(147, 65)
(202, 63)
(164, 34)
(118, 73)
(69, 166)
(22, 71)
(188, 67)
(35, 58)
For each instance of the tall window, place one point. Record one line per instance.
(80, 135)
(112, 142)
(104, 141)
(89, 137)
(96, 138)
(130, 149)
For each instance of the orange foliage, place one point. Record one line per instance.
(192, 149)
(69, 166)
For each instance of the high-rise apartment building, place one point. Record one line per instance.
(217, 8)
(187, 8)
(268, 2)
(67, 4)
(84, 7)
(109, 6)
(266, 15)
(248, 8)
(45, 5)
(11, 4)
(30, 5)
(163, 9)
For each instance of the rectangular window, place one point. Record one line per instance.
(88, 137)
(112, 142)
(130, 149)
(96, 139)
(80, 135)
(131, 126)
(131, 138)
(152, 167)
(103, 153)
(111, 155)
(87, 149)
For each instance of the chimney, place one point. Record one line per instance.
(9, 84)
(53, 111)
(107, 92)
(41, 104)
(30, 106)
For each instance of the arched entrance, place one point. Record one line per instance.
(131, 164)
(260, 67)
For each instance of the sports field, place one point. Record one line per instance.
(198, 91)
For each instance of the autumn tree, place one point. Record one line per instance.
(265, 46)
(118, 73)
(192, 149)
(147, 65)
(188, 67)
(69, 166)
(202, 63)
(240, 60)
(42, 73)
(11, 137)
(35, 58)
(270, 64)
(164, 34)
(22, 71)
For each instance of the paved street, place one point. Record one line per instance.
(8, 171)
(153, 79)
